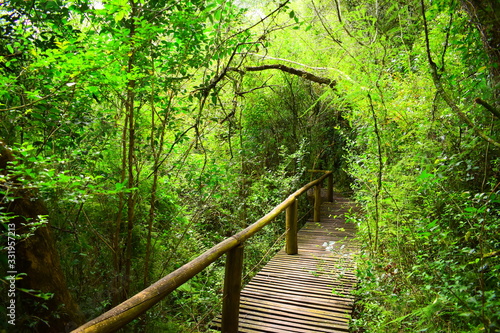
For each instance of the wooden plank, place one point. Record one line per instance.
(303, 272)
(299, 283)
(327, 289)
(297, 290)
(311, 312)
(299, 316)
(317, 302)
(319, 263)
(276, 326)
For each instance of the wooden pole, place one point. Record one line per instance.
(330, 188)
(291, 228)
(317, 202)
(232, 289)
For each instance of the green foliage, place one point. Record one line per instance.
(142, 161)
(136, 124)
(426, 182)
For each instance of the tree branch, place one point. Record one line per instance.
(241, 93)
(306, 75)
(31, 103)
(488, 107)
(261, 20)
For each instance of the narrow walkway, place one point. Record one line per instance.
(311, 291)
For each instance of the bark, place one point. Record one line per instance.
(131, 200)
(116, 287)
(37, 257)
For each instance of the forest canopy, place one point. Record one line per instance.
(135, 134)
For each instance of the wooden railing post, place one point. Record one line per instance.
(232, 290)
(317, 202)
(330, 188)
(291, 228)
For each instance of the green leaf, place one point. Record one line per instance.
(424, 175)
(120, 15)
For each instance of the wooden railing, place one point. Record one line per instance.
(133, 307)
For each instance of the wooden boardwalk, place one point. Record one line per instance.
(308, 292)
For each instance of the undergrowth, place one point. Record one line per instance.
(437, 269)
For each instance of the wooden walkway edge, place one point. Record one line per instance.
(310, 291)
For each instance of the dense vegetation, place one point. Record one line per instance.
(138, 133)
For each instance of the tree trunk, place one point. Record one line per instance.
(131, 199)
(37, 257)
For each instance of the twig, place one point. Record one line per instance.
(241, 93)
(448, 29)
(260, 21)
(379, 174)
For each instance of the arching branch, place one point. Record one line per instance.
(303, 74)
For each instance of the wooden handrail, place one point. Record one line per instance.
(133, 307)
